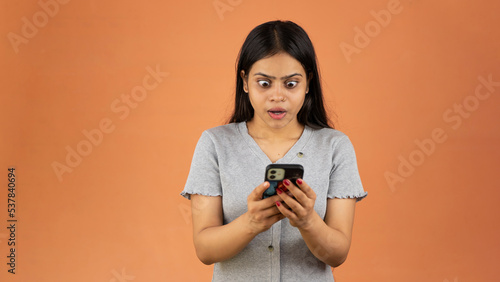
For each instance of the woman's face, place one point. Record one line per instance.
(277, 87)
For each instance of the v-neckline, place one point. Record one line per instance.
(288, 157)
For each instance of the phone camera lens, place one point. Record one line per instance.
(272, 176)
(273, 171)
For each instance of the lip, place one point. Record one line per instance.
(277, 113)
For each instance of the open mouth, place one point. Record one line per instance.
(277, 113)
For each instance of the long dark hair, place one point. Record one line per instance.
(267, 40)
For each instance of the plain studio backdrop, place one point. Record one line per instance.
(102, 103)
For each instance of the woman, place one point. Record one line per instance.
(279, 117)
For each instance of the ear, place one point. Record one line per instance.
(245, 82)
(308, 81)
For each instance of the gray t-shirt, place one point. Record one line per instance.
(228, 162)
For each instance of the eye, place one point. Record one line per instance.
(264, 83)
(291, 84)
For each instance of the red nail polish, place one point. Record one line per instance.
(299, 181)
(287, 182)
(279, 191)
(278, 204)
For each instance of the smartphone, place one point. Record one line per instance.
(276, 173)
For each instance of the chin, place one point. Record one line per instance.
(278, 124)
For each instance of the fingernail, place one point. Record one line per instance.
(279, 191)
(287, 182)
(299, 181)
(278, 204)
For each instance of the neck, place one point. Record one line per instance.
(292, 130)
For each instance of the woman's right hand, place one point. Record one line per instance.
(262, 213)
(215, 241)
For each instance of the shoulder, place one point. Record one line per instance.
(222, 134)
(225, 129)
(215, 140)
(329, 135)
(331, 141)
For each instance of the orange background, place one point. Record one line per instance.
(118, 213)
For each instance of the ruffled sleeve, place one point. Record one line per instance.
(344, 176)
(204, 177)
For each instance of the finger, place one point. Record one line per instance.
(277, 217)
(296, 192)
(290, 201)
(286, 212)
(303, 193)
(271, 211)
(256, 194)
(304, 187)
(266, 207)
(286, 205)
(269, 202)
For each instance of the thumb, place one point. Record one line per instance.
(256, 194)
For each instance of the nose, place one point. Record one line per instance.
(278, 93)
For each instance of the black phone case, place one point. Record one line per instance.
(292, 172)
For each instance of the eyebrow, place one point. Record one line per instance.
(273, 77)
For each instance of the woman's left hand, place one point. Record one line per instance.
(301, 213)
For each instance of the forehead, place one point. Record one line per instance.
(278, 64)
